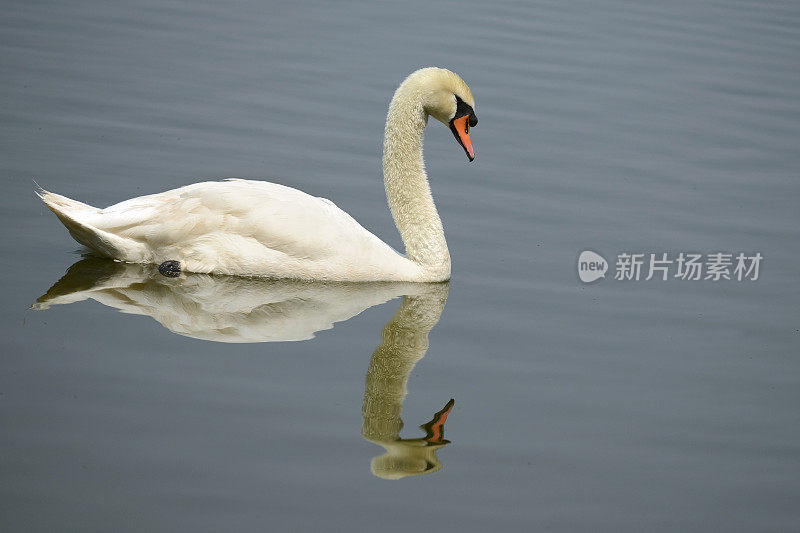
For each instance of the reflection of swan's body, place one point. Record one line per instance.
(221, 308)
(257, 228)
(404, 342)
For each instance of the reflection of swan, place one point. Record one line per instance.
(235, 309)
(221, 308)
(404, 342)
(257, 228)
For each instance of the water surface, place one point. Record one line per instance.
(616, 406)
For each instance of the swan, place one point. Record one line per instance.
(256, 228)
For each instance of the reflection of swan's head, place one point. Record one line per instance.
(405, 458)
(411, 457)
(445, 97)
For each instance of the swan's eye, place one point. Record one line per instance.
(464, 109)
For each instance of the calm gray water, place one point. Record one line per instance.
(622, 126)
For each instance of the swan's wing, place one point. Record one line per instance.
(274, 214)
(234, 225)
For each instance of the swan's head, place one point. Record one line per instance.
(448, 99)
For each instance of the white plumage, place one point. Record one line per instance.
(244, 227)
(237, 227)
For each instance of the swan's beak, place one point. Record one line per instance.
(460, 128)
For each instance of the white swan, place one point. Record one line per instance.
(257, 228)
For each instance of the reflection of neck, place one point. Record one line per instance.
(404, 342)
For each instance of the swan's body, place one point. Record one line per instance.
(237, 227)
(243, 227)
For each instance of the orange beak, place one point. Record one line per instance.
(460, 128)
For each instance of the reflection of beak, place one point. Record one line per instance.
(460, 128)
(435, 428)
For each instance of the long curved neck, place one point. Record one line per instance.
(407, 189)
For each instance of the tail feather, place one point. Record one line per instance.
(57, 202)
(73, 215)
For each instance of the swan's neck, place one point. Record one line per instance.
(407, 189)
